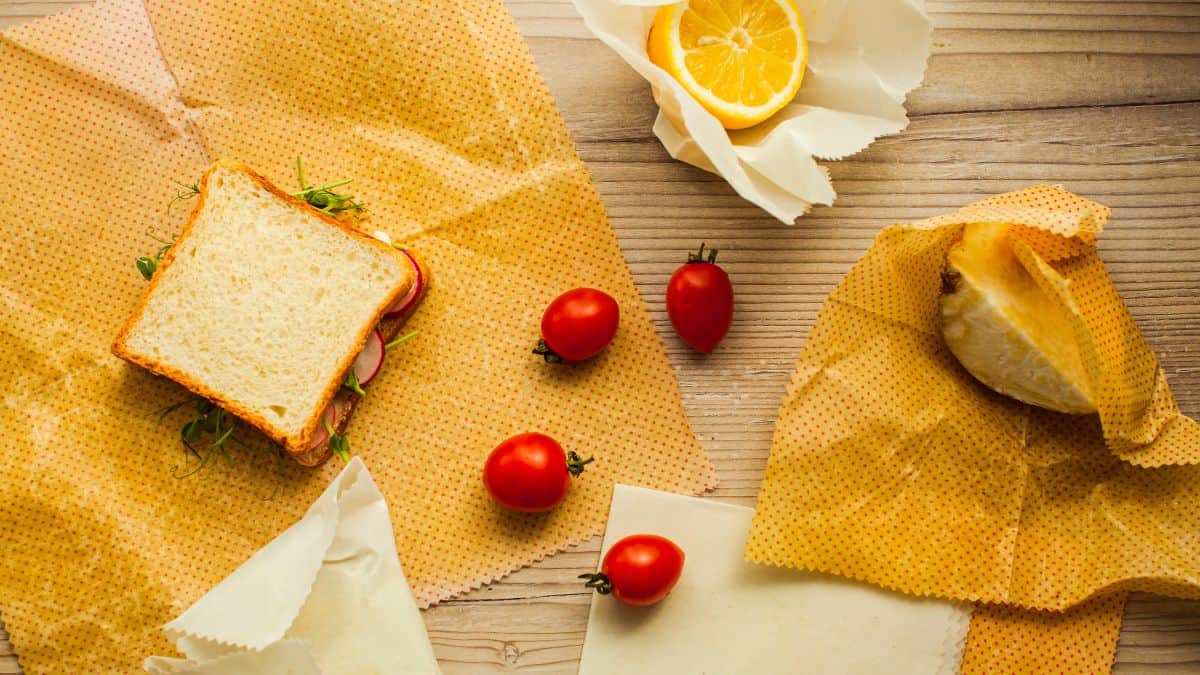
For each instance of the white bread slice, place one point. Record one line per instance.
(262, 304)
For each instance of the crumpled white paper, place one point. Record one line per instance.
(864, 56)
(326, 596)
(732, 617)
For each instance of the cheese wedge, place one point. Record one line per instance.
(1008, 332)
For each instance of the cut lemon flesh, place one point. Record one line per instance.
(742, 60)
(1008, 332)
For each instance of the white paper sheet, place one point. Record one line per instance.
(327, 596)
(729, 616)
(864, 57)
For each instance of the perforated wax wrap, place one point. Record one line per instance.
(1003, 639)
(891, 464)
(438, 114)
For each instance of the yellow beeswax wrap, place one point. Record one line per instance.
(438, 114)
(891, 464)
(1004, 639)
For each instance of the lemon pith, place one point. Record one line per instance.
(1006, 331)
(742, 60)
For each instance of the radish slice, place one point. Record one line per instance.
(370, 359)
(330, 415)
(403, 304)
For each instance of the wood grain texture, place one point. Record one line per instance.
(1103, 97)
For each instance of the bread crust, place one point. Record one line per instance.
(296, 444)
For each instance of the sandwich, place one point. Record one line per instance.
(272, 310)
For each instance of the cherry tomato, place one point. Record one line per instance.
(578, 325)
(639, 570)
(530, 473)
(700, 301)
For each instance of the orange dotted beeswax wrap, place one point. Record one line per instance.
(436, 111)
(891, 464)
(1004, 639)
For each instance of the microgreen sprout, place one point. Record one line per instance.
(353, 384)
(338, 443)
(146, 266)
(218, 425)
(322, 197)
(149, 265)
(185, 194)
(400, 340)
(208, 419)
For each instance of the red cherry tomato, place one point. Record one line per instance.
(578, 325)
(639, 570)
(530, 473)
(700, 301)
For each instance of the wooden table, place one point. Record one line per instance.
(1103, 97)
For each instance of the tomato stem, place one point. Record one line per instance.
(699, 256)
(598, 581)
(544, 350)
(575, 463)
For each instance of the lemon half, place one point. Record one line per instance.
(742, 60)
(1006, 331)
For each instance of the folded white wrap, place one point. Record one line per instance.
(326, 596)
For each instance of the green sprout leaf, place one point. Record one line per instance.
(219, 426)
(186, 193)
(146, 266)
(322, 197)
(352, 383)
(338, 443)
(208, 420)
(400, 340)
(192, 430)
(162, 414)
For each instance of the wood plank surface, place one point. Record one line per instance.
(1103, 97)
